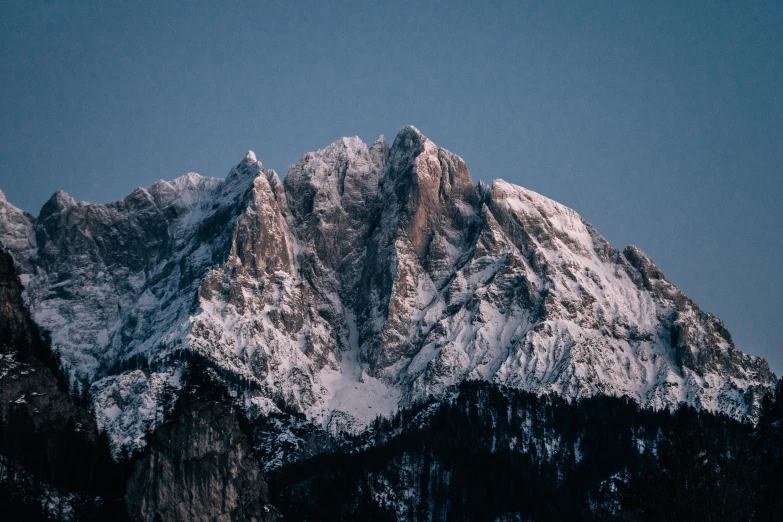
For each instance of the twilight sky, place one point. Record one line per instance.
(661, 124)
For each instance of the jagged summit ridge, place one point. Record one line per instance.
(368, 278)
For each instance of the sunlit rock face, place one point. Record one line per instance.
(369, 278)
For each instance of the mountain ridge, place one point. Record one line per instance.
(366, 279)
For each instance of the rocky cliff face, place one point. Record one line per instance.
(198, 465)
(369, 278)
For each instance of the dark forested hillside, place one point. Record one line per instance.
(500, 454)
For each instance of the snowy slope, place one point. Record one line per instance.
(370, 277)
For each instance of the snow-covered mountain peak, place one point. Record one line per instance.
(327, 171)
(411, 134)
(58, 201)
(191, 179)
(407, 145)
(415, 160)
(248, 167)
(381, 141)
(368, 273)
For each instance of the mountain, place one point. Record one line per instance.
(369, 279)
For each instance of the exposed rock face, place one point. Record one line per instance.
(425, 231)
(371, 277)
(198, 466)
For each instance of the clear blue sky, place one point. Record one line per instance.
(662, 124)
